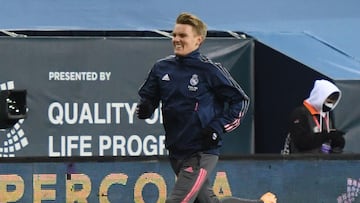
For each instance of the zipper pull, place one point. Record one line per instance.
(196, 106)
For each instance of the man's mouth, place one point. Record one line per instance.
(178, 46)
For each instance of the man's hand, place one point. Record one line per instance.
(211, 138)
(337, 140)
(144, 110)
(268, 198)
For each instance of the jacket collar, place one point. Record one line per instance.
(193, 54)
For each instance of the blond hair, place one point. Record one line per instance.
(189, 19)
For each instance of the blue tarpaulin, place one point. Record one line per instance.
(313, 52)
(336, 22)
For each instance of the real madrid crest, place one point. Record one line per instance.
(194, 80)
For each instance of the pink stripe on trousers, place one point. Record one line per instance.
(197, 185)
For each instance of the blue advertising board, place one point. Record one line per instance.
(310, 179)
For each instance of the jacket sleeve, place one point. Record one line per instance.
(149, 93)
(227, 90)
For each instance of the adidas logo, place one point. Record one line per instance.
(166, 77)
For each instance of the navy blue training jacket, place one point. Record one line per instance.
(195, 93)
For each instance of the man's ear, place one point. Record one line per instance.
(200, 40)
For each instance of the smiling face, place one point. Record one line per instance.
(185, 39)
